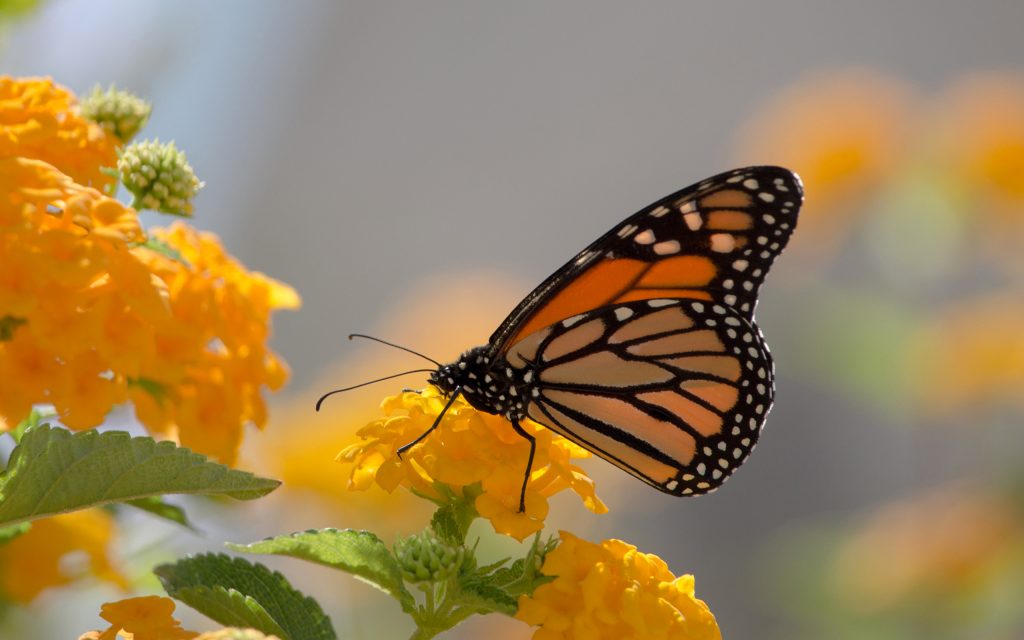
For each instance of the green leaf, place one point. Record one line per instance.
(155, 389)
(485, 598)
(53, 471)
(164, 249)
(13, 531)
(446, 527)
(360, 553)
(156, 506)
(236, 592)
(7, 326)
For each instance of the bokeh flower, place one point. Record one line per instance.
(150, 618)
(845, 133)
(613, 591)
(39, 559)
(980, 130)
(474, 454)
(939, 547)
(40, 119)
(970, 356)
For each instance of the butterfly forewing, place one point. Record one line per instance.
(674, 391)
(712, 241)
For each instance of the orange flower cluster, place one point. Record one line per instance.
(40, 119)
(469, 448)
(613, 591)
(36, 560)
(93, 312)
(149, 618)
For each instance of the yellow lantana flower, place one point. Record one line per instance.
(40, 119)
(211, 358)
(34, 561)
(469, 448)
(143, 618)
(93, 314)
(149, 618)
(613, 591)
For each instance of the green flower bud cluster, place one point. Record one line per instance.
(119, 112)
(159, 177)
(424, 557)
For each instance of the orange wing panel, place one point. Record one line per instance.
(594, 288)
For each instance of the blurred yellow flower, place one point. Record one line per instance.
(38, 559)
(981, 122)
(970, 356)
(938, 545)
(149, 618)
(469, 448)
(980, 125)
(613, 591)
(143, 618)
(40, 119)
(844, 132)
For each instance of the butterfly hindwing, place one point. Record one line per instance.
(713, 241)
(674, 391)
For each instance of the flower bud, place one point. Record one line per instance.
(119, 112)
(159, 177)
(423, 557)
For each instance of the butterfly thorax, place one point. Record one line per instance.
(486, 381)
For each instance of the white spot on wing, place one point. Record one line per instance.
(667, 247)
(644, 237)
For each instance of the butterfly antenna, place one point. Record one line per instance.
(356, 386)
(391, 344)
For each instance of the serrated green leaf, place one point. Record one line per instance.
(10, 533)
(230, 608)
(446, 527)
(360, 553)
(236, 592)
(156, 506)
(53, 471)
(486, 598)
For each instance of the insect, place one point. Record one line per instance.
(643, 347)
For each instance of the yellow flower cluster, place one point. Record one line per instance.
(613, 591)
(468, 449)
(39, 119)
(149, 618)
(93, 312)
(37, 560)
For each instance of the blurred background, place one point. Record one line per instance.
(413, 169)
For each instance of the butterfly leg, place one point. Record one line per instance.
(405, 447)
(529, 463)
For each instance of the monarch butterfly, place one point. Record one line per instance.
(643, 347)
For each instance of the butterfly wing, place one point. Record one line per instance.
(674, 391)
(714, 241)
